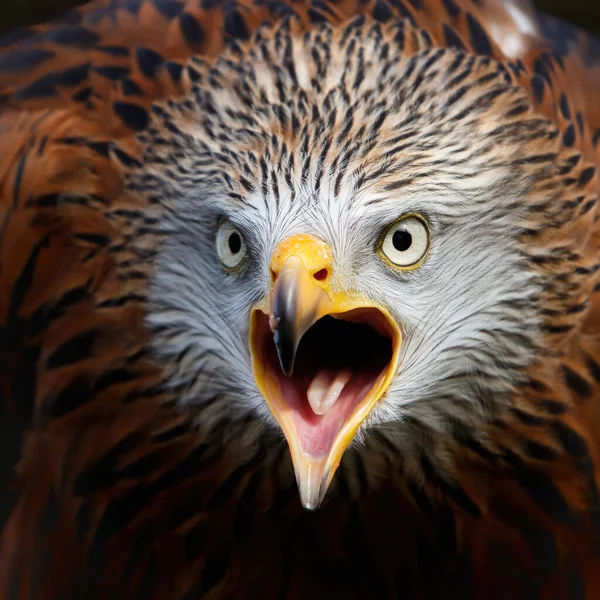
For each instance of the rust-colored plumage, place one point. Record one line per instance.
(120, 494)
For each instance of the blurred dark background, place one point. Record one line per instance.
(585, 13)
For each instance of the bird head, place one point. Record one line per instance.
(346, 216)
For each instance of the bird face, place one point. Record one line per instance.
(341, 248)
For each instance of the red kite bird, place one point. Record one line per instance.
(300, 299)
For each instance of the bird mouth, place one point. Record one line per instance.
(321, 378)
(322, 357)
(340, 361)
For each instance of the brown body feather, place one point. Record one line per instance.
(119, 496)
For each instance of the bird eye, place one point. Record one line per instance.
(230, 245)
(405, 242)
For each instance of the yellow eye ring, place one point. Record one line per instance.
(405, 243)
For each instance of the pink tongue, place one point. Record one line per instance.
(325, 388)
(323, 410)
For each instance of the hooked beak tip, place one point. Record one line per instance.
(286, 348)
(287, 366)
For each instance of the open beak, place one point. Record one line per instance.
(321, 357)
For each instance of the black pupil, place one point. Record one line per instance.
(235, 242)
(402, 240)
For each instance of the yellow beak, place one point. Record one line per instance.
(320, 378)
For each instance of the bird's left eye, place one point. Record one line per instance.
(230, 245)
(406, 242)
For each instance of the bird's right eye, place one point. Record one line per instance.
(230, 246)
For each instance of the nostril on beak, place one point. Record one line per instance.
(273, 275)
(321, 275)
